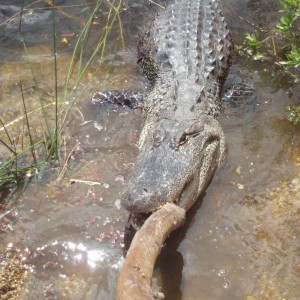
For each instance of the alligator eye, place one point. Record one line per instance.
(195, 128)
(182, 139)
(178, 141)
(158, 137)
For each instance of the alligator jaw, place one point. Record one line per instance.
(142, 207)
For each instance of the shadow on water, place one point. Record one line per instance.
(240, 240)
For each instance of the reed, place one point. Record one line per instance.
(24, 161)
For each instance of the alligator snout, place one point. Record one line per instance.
(142, 200)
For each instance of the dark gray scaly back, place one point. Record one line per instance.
(187, 45)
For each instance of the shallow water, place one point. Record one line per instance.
(241, 240)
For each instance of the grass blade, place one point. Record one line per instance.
(33, 74)
(9, 138)
(27, 124)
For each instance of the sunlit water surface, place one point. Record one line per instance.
(241, 240)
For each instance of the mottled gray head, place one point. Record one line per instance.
(176, 162)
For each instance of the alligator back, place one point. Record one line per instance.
(188, 40)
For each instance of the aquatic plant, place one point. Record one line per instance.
(281, 45)
(293, 113)
(45, 149)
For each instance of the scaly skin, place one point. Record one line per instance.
(186, 56)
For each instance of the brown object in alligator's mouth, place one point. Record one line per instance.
(136, 273)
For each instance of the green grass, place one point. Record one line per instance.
(24, 161)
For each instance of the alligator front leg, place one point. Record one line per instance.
(124, 98)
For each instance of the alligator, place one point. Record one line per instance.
(186, 55)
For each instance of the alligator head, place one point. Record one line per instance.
(177, 160)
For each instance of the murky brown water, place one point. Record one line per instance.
(241, 241)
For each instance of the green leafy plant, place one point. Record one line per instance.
(293, 114)
(252, 42)
(293, 59)
(252, 45)
(281, 45)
